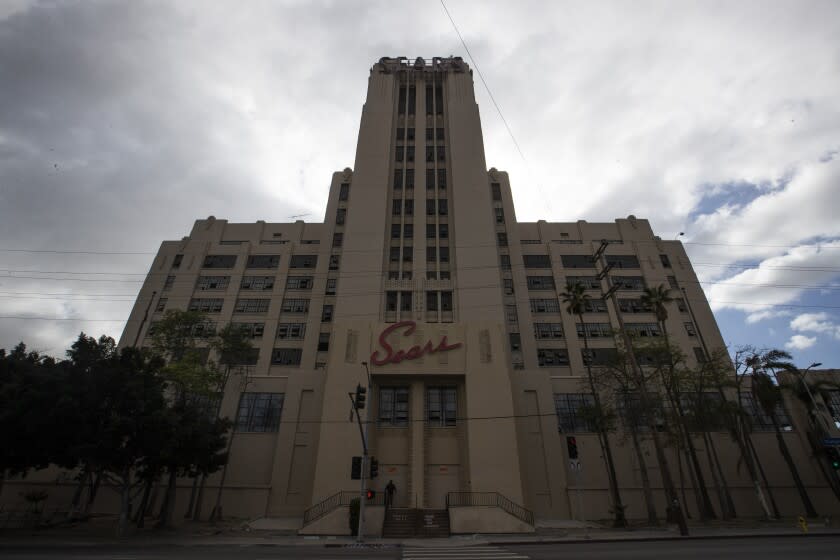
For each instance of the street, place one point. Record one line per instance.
(765, 548)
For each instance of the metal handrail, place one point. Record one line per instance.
(489, 499)
(325, 506)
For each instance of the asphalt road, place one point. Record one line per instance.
(769, 548)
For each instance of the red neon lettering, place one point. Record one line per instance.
(392, 357)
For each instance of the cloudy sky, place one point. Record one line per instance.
(122, 122)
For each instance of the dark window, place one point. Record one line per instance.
(441, 406)
(340, 216)
(511, 315)
(536, 261)
(212, 282)
(593, 330)
(299, 283)
(303, 261)
(430, 132)
(599, 356)
(540, 282)
(286, 356)
(263, 261)
(401, 101)
(545, 305)
(588, 282)
(408, 253)
(323, 342)
(439, 100)
(444, 275)
(390, 301)
(496, 190)
(245, 358)
(429, 104)
(443, 207)
(500, 215)
(251, 330)
(441, 178)
(400, 153)
(689, 328)
(259, 412)
(571, 409)
(501, 239)
(409, 173)
(633, 413)
(431, 254)
(395, 231)
(409, 157)
(170, 280)
(439, 134)
(393, 406)
(396, 207)
(431, 301)
(515, 342)
(344, 191)
(249, 305)
(430, 179)
(548, 331)
(577, 261)
(430, 154)
(430, 206)
(291, 331)
(327, 314)
(394, 255)
(410, 134)
(552, 357)
(205, 305)
(681, 305)
(408, 231)
(412, 100)
(699, 355)
(295, 305)
(623, 261)
(334, 261)
(633, 306)
(443, 230)
(672, 281)
(443, 254)
(398, 178)
(666, 262)
(594, 305)
(504, 261)
(161, 304)
(431, 275)
(331, 286)
(643, 330)
(219, 261)
(405, 301)
(430, 231)
(507, 284)
(632, 283)
(761, 421)
(338, 239)
(441, 153)
(176, 262)
(446, 301)
(409, 207)
(400, 133)
(257, 283)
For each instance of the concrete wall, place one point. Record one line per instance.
(465, 520)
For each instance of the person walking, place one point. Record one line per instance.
(390, 489)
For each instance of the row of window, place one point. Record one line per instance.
(403, 301)
(407, 134)
(406, 207)
(433, 153)
(254, 261)
(432, 254)
(251, 305)
(430, 275)
(406, 178)
(442, 231)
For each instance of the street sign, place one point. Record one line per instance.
(829, 441)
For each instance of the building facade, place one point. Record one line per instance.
(421, 277)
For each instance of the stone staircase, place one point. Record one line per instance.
(403, 523)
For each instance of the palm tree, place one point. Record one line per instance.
(768, 395)
(575, 298)
(656, 299)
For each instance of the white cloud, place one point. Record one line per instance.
(816, 323)
(800, 342)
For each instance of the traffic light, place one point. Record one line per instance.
(571, 445)
(371, 494)
(361, 394)
(833, 457)
(356, 469)
(374, 468)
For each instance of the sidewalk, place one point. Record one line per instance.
(101, 531)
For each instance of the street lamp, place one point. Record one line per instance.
(811, 395)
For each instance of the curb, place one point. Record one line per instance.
(584, 540)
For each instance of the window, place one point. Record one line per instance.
(699, 355)
(633, 306)
(431, 254)
(340, 216)
(212, 282)
(632, 283)
(408, 253)
(286, 356)
(257, 283)
(446, 301)
(396, 207)
(443, 207)
(430, 132)
(832, 400)
(395, 231)
(588, 282)
(681, 305)
(251, 305)
(643, 330)
(689, 328)
(441, 406)
(666, 262)
(507, 284)
(338, 240)
(410, 134)
(394, 254)
(545, 305)
(400, 152)
(204, 329)
(251, 330)
(441, 153)
(672, 282)
(327, 314)
(536, 261)
(219, 261)
(444, 275)
(595, 306)
(393, 406)
(295, 305)
(248, 357)
(323, 342)
(176, 262)
(344, 191)
(430, 231)
(501, 239)
(405, 301)
(409, 157)
(291, 331)
(552, 357)
(632, 412)
(500, 215)
(431, 275)
(431, 301)
(571, 411)
(510, 314)
(390, 301)
(504, 261)
(496, 190)
(263, 261)
(540, 282)
(430, 154)
(593, 330)
(430, 179)
(622, 261)
(259, 412)
(599, 356)
(398, 178)
(408, 231)
(515, 342)
(303, 261)
(443, 231)
(577, 261)
(401, 101)
(439, 134)
(441, 178)
(331, 286)
(409, 173)
(412, 99)
(759, 418)
(206, 305)
(335, 260)
(170, 280)
(443, 254)
(400, 133)
(299, 283)
(161, 304)
(430, 207)
(439, 100)
(548, 331)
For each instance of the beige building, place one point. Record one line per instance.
(421, 275)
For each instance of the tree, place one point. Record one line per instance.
(768, 395)
(657, 299)
(575, 298)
